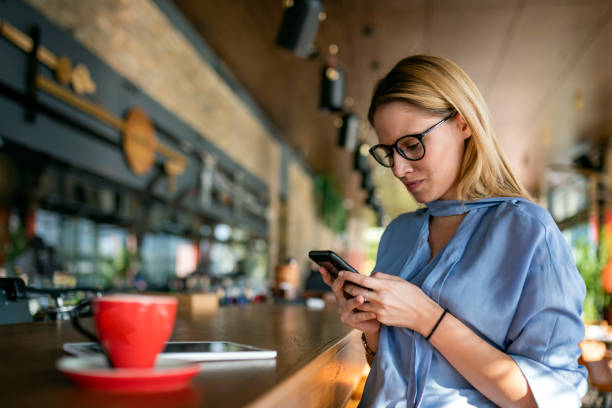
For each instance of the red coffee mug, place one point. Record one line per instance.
(132, 329)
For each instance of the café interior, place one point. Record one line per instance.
(200, 150)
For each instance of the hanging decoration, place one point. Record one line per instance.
(139, 142)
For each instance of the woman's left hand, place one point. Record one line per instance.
(395, 301)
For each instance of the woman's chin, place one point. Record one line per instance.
(420, 197)
(424, 197)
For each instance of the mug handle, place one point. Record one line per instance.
(74, 319)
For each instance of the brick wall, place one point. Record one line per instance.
(137, 40)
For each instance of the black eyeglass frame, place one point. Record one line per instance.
(418, 136)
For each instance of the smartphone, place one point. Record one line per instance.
(334, 264)
(331, 261)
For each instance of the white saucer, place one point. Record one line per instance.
(94, 372)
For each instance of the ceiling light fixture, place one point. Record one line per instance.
(349, 132)
(332, 89)
(299, 26)
(366, 180)
(360, 161)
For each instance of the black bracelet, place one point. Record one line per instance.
(368, 350)
(437, 324)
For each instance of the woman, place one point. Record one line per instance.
(476, 300)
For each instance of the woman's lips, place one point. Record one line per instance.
(413, 185)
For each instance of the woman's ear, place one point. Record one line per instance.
(463, 127)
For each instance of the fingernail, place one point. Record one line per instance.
(340, 273)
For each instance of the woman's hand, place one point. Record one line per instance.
(349, 314)
(395, 301)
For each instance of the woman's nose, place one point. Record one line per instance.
(401, 166)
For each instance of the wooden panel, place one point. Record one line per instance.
(328, 381)
(516, 51)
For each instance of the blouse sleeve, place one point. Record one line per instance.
(546, 329)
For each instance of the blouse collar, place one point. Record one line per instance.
(442, 208)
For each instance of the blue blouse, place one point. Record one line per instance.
(509, 275)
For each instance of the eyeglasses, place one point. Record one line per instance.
(410, 147)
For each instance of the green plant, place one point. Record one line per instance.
(590, 261)
(330, 204)
(17, 244)
(14, 245)
(119, 267)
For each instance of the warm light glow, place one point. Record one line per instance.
(578, 100)
(186, 261)
(332, 74)
(546, 136)
(322, 15)
(363, 149)
(333, 49)
(338, 122)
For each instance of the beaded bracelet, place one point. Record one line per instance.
(368, 350)
(436, 325)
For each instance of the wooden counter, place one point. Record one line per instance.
(319, 362)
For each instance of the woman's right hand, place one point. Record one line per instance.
(364, 321)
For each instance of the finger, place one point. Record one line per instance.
(380, 275)
(367, 294)
(346, 308)
(326, 276)
(355, 290)
(337, 287)
(359, 317)
(361, 280)
(352, 319)
(352, 303)
(367, 307)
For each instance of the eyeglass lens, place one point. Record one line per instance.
(409, 147)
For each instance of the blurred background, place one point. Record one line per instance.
(206, 146)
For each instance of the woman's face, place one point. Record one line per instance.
(436, 175)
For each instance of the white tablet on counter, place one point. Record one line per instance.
(189, 350)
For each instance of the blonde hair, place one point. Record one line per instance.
(437, 85)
